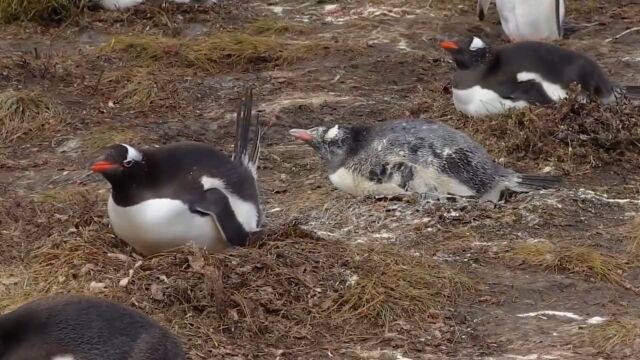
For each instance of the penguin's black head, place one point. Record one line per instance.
(332, 144)
(119, 161)
(468, 53)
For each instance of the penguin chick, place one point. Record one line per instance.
(83, 328)
(414, 156)
(492, 80)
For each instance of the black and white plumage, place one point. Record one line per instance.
(413, 156)
(185, 192)
(538, 20)
(83, 328)
(492, 80)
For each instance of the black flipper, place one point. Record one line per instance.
(632, 91)
(530, 91)
(216, 204)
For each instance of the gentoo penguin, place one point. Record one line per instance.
(413, 156)
(528, 20)
(172, 195)
(83, 328)
(491, 80)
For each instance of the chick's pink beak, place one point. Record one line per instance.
(301, 134)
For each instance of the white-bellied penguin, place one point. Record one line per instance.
(414, 156)
(83, 328)
(528, 20)
(186, 192)
(490, 80)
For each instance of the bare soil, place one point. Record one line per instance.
(335, 276)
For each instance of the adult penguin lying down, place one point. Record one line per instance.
(186, 192)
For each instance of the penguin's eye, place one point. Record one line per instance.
(127, 163)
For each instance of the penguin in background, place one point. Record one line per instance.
(186, 192)
(491, 80)
(424, 157)
(528, 20)
(83, 328)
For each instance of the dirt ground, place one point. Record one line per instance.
(337, 277)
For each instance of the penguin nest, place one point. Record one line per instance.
(571, 135)
(40, 10)
(291, 290)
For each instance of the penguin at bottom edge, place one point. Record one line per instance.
(83, 328)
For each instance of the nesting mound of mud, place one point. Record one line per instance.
(291, 288)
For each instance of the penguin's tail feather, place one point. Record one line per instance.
(632, 91)
(241, 152)
(527, 182)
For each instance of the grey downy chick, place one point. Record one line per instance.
(83, 328)
(414, 156)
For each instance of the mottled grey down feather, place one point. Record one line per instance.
(401, 152)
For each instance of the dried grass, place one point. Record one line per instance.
(277, 27)
(607, 336)
(290, 291)
(583, 261)
(633, 247)
(224, 51)
(40, 10)
(103, 137)
(134, 87)
(24, 113)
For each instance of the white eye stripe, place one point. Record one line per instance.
(132, 154)
(331, 133)
(477, 44)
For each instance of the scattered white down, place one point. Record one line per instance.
(477, 101)
(596, 320)
(554, 313)
(591, 321)
(530, 20)
(554, 91)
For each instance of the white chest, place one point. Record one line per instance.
(431, 181)
(357, 185)
(524, 20)
(477, 101)
(159, 225)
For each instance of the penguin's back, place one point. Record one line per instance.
(79, 327)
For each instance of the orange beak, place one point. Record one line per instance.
(102, 166)
(300, 134)
(449, 45)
